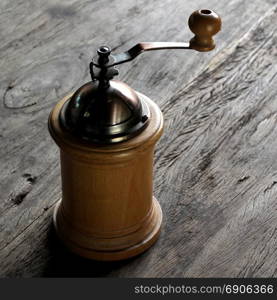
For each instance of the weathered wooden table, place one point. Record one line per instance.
(216, 164)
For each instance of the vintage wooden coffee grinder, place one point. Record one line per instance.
(106, 132)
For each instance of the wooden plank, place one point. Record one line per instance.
(208, 151)
(217, 168)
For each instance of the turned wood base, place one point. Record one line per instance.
(89, 245)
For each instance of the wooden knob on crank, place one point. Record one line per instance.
(204, 23)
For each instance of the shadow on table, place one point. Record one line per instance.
(63, 263)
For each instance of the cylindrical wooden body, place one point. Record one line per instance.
(108, 211)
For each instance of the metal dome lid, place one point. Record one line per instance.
(104, 111)
(104, 116)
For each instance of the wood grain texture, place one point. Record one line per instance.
(215, 165)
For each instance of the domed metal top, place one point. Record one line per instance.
(104, 115)
(106, 111)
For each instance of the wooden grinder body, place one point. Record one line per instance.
(107, 211)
